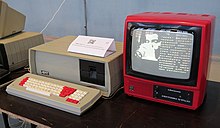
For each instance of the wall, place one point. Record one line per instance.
(105, 17)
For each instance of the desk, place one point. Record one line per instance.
(120, 111)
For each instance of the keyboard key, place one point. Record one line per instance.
(67, 91)
(72, 100)
(23, 81)
(39, 91)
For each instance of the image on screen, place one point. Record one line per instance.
(163, 53)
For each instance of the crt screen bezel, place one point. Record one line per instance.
(195, 30)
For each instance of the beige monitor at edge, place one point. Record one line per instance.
(11, 21)
(52, 60)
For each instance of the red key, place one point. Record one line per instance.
(67, 91)
(23, 81)
(72, 101)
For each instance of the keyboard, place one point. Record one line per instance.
(58, 94)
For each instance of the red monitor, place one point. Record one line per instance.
(166, 57)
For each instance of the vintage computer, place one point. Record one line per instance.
(66, 96)
(14, 43)
(11, 21)
(53, 60)
(14, 49)
(166, 57)
(68, 81)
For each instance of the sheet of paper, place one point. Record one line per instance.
(96, 46)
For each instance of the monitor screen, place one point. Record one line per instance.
(165, 52)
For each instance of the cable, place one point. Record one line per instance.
(19, 123)
(15, 125)
(22, 125)
(108, 98)
(53, 16)
(27, 68)
(85, 16)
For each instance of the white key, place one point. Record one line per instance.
(38, 91)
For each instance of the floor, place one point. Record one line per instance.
(14, 123)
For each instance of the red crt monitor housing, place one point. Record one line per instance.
(166, 57)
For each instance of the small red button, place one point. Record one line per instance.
(72, 100)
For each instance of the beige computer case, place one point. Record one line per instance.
(17, 46)
(55, 61)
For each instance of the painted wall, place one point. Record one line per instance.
(105, 17)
